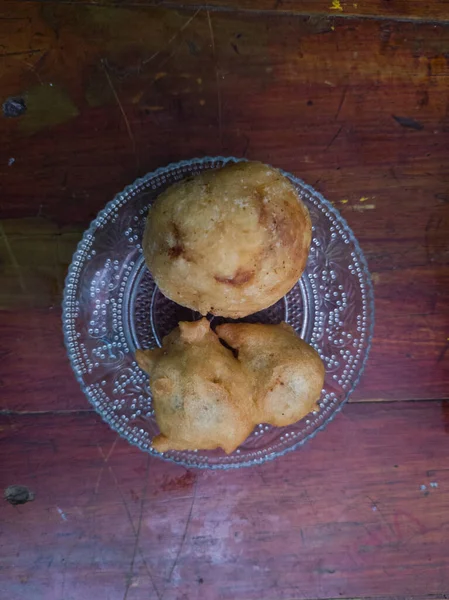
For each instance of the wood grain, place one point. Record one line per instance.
(419, 10)
(357, 76)
(360, 511)
(357, 108)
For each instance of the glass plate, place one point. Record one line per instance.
(112, 306)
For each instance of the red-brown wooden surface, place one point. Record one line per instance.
(356, 103)
(354, 513)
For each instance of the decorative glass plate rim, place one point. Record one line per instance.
(140, 181)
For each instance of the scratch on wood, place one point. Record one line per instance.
(67, 562)
(173, 37)
(217, 79)
(410, 520)
(433, 224)
(22, 52)
(247, 142)
(334, 138)
(125, 505)
(376, 505)
(393, 172)
(137, 536)
(178, 554)
(13, 260)
(310, 501)
(262, 476)
(162, 64)
(114, 444)
(31, 68)
(342, 100)
(443, 352)
(105, 460)
(120, 105)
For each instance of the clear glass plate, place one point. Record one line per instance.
(112, 306)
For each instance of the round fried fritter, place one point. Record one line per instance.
(288, 373)
(231, 241)
(201, 396)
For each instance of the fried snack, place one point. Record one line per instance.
(231, 241)
(205, 398)
(288, 374)
(202, 397)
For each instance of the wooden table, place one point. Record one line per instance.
(353, 98)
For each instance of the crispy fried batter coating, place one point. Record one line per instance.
(202, 398)
(288, 373)
(205, 398)
(231, 241)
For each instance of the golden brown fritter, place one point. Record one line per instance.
(205, 398)
(230, 242)
(288, 374)
(201, 396)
